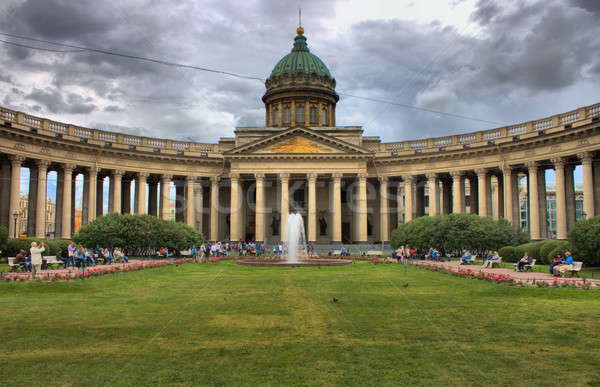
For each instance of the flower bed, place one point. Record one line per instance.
(65, 275)
(509, 280)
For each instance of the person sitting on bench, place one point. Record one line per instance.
(557, 260)
(466, 258)
(566, 266)
(526, 260)
(491, 258)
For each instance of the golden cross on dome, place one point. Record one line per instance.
(300, 30)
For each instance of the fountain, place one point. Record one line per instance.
(294, 250)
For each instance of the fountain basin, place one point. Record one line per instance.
(299, 263)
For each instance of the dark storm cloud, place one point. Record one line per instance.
(589, 5)
(485, 11)
(523, 54)
(57, 102)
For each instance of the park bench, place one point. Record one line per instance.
(497, 262)
(527, 267)
(337, 252)
(48, 259)
(576, 268)
(374, 253)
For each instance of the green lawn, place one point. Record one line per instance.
(221, 324)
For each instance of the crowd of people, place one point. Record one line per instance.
(72, 256)
(239, 249)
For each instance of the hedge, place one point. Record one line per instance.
(52, 245)
(542, 251)
(585, 239)
(509, 254)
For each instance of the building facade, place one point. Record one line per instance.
(349, 188)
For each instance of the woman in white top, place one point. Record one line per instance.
(36, 256)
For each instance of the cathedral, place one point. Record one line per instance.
(348, 187)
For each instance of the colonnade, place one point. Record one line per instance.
(493, 192)
(152, 193)
(447, 193)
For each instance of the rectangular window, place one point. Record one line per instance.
(275, 119)
(300, 114)
(324, 117)
(287, 116)
(313, 115)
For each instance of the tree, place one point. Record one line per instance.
(137, 234)
(3, 238)
(585, 241)
(457, 231)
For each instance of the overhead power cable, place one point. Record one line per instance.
(420, 108)
(78, 49)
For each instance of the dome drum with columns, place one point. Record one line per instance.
(300, 89)
(349, 188)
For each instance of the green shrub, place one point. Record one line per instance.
(585, 239)
(52, 245)
(509, 254)
(532, 249)
(137, 234)
(546, 249)
(560, 248)
(3, 238)
(457, 231)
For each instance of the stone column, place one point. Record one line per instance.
(434, 199)
(384, 210)
(483, 192)
(140, 191)
(473, 195)
(507, 175)
(93, 190)
(99, 196)
(67, 215)
(570, 195)
(363, 236)
(307, 113)
(561, 199)
(409, 197)
(534, 206)
(214, 208)
(336, 199)
(285, 204)
(165, 197)
(115, 192)
(458, 192)
(588, 184)
(260, 211)
(446, 202)
(542, 204)
(153, 198)
(15, 185)
(126, 195)
(235, 208)
(40, 210)
(190, 212)
(199, 204)
(312, 207)
(400, 203)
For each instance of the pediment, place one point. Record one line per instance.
(298, 140)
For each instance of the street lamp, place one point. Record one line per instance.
(16, 216)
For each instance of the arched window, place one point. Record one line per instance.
(300, 114)
(313, 115)
(287, 117)
(275, 117)
(324, 117)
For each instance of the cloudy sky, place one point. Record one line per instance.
(498, 61)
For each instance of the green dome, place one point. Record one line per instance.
(300, 60)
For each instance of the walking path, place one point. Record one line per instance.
(521, 276)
